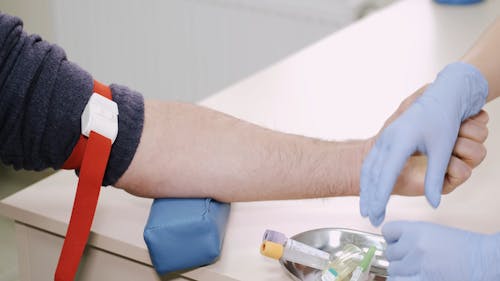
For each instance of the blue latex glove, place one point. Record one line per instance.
(430, 126)
(420, 251)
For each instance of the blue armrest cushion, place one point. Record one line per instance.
(185, 233)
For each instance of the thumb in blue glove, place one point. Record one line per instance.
(430, 126)
(420, 251)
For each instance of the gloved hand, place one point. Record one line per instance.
(420, 251)
(430, 126)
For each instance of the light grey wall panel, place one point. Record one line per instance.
(183, 49)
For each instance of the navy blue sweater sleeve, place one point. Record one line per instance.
(42, 97)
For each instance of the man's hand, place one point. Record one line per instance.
(431, 126)
(468, 153)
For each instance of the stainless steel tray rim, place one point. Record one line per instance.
(332, 240)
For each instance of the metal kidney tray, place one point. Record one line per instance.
(332, 240)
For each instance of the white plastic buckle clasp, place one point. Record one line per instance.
(101, 116)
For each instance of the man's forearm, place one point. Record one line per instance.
(191, 151)
(485, 55)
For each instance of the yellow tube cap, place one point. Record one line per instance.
(271, 250)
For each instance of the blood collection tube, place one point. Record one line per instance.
(363, 269)
(343, 265)
(276, 245)
(334, 267)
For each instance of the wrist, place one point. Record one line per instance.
(357, 151)
(468, 83)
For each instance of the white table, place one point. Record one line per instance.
(342, 87)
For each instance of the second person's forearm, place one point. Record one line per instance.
(485, 55)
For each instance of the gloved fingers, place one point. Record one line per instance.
(392, 231)
(371, 172)
(392, 161)
(366, 181)
(474, 129)
(398, 250)
(404, 105)
(438, 159)
(458, 173)
(375, 170)
(377, 219)
(404, 278)
(406, 266)
(470, 151)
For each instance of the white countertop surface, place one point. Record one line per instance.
(343, 87)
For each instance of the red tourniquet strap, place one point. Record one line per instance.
(75, 159)
(91, 157)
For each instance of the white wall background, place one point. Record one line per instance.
(183, 49)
